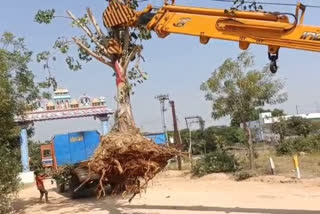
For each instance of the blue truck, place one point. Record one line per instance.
(72, 149)
(76, 149)
(158, 138)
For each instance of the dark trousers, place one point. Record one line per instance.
(43, 192)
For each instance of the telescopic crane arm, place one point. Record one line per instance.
(274, 30)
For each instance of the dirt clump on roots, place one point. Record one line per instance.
(128, 161)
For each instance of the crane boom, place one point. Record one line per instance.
(274, 30)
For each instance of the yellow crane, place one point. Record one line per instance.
(273, 29)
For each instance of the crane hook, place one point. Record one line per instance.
(273, 64)
(273, 67)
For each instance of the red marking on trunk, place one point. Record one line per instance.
(118, 70)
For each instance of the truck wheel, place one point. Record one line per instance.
(74, 184)
(109, 189)
(60, 188)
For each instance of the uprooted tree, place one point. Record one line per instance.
(124, 156)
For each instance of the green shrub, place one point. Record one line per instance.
(244, 175)
(63, 174)
(9, 182)
(300, 144)
(215, 162)
(35, 156)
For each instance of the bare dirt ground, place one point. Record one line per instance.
(175, 192)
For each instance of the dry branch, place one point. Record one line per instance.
(138, 68)
(135, 50)
(90, 52)
(84, 27)
(89, 33)
(94, 22)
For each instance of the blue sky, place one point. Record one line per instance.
(176, 65)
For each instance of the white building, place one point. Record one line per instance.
(261, 129)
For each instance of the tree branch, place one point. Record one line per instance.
(94, 22)
(84, 27)
(137, 65)
(89, 51)
(139, 70)
(136, 49)
(126, 41)
(90, 34)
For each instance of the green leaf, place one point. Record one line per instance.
(81, 21)
(144, 34)
(44, 16)
(46, 95)
(83, 54)
(43, 56)
(73, 65)
(62, 45)
(134, 35)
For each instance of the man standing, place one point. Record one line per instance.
(40, 186)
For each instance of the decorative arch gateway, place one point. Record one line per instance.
(85, 100)
(62, 106)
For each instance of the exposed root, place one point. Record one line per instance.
(123, 159)
(101, 186)
(144, 186)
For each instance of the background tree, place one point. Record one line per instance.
(206, 141)
(197, 137)
(35, 155)
(292, 126)
(315, 126)
(277, 112)
(299, 126)
(94, 43)
(236, 121)
(17, 91)
(236, 90)
(280, 127)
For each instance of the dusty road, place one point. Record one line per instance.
(172, 192)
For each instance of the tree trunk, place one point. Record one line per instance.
(124, 121)
(281, 137)
(250, 146)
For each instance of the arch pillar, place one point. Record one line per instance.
(104, 124)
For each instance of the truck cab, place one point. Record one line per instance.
(47, 157)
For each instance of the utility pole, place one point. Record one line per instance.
(162, 98)
(190, 142)
(193, 119)
(177, 137)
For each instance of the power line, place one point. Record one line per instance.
(268, 3)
